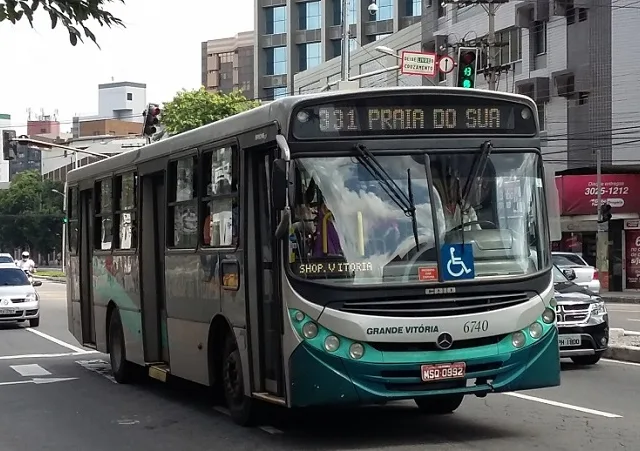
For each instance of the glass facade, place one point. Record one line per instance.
(337, 12)
(310, 16)
(385, 10)
(276, 61)
(276, 20)
(310, 55)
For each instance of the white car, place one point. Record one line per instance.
(6, 258)
(585, 275)
(19, 300)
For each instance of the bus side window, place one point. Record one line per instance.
(182, 218)
(126, 205)
(219, 205)
(72, 217)
(103, 223)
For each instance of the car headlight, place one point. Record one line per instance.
(31, 297)
(598, 308)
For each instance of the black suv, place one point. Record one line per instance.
(583, 322)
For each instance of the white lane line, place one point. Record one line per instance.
(620, 362)
(64, 344)
(270, 430)
(98, 366)
(563, 405)
(30, 370)
(45, 356)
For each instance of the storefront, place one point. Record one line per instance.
(619, 266)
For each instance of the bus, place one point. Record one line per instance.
(343, 248)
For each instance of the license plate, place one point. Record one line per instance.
(569, 340)
(443, 371)
(7, 311)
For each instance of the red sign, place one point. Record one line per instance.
(426, 273)
(632, 250)
(579, 193)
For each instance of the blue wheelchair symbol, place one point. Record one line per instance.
(457, 262)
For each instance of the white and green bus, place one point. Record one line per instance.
(341, 248)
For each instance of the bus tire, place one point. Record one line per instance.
(439, 405)
(123, 371)
(241, 407)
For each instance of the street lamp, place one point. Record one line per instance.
(64, 229)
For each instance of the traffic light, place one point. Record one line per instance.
(9, 148)
(151, 119)
(467, 67)
(605, 213)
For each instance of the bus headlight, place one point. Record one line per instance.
(535, 330)
(331, 343)
(310, 330)
(356, 351)
(518, 339)
(549, 315)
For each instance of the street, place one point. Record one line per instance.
(625, 316)
(58, 396)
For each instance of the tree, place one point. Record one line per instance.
(72, 14)
(31, 214)
(193, 109)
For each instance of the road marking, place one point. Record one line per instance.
(563, 405)
(620, 362)
(39, 381)
(98, 366)
(64, 344)
(631, 319)
(30, 370)
(45, 356)
(270, 430)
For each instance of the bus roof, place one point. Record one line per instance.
(278, 111)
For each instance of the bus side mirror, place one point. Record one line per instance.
(279, 184)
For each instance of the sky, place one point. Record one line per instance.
(160, 46)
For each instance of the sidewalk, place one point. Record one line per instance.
(621, 297)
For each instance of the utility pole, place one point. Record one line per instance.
(602, 235)
(491, 47)
(345, 41)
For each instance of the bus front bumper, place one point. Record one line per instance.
(320, 378)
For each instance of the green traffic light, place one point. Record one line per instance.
(466, 83)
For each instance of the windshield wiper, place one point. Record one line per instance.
(389, 186)
(477, 168)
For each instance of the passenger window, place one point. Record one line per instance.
(103, 238)
(183, 204)
(72, 219)
(126, 220)
(220, 197)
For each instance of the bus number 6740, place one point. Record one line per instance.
(475, 326)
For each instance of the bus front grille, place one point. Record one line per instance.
(445, 306)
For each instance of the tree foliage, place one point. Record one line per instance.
(72, 14)
(31, 214)
(193, 109)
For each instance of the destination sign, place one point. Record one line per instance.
(417, 115)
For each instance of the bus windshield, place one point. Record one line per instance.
(348, 228)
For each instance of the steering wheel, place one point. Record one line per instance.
(480, 223)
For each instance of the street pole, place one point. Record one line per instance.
(599, 184)
(344, 60)
(602, 235)
(491, 40)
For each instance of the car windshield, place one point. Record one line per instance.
(6, 259)
(558, 276)
(13, 277)
(347, 227)
(567, 260)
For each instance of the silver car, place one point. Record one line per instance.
(6, 258)
(585, 275)
(19, 301)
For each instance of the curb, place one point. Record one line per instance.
(51, 279)
(623, 353)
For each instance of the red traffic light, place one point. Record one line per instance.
(154, 111)
(468, 57)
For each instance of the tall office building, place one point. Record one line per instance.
(227, 64)
(293, 36)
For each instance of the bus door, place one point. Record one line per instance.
(86, 268)
(265, 299)
(152, 244)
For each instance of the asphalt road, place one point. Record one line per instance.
(625, 316)
(55, 396)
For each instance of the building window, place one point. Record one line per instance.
(73, 215)
(583, 98)
(182, 212)
(442, 10)
(337, 12)
(539, 35)
(129, 96)
(310, 16)
(103, 236)
(276, 61)
(219, 203)
(582, 14)
(571, 15)
(336, 46)
(276, 20)
(277, 93)
(353, 44)
(126, 198)
(385, 10)
(382, 36)
(310, 55)
(414, 7)
(541, 115)
(511, 46)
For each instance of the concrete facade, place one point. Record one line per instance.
(227, 64)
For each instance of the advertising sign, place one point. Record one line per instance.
(579, 193)
(632, 243)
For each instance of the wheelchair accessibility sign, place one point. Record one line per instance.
(457, 262)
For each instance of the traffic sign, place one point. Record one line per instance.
(418, 63)
(456, 260)
(446, 64)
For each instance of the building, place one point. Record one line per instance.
(28, 158)
(5, 124)
(122, 101)
(292, 37)
(113, 127)
(227, 64)
(44, 124)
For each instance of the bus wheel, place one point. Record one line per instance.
(439, 405)
(121, 369)
(240, 406)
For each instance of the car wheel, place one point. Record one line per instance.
(121, 369)
(439, 405)
(241, 407)
(586, 359)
